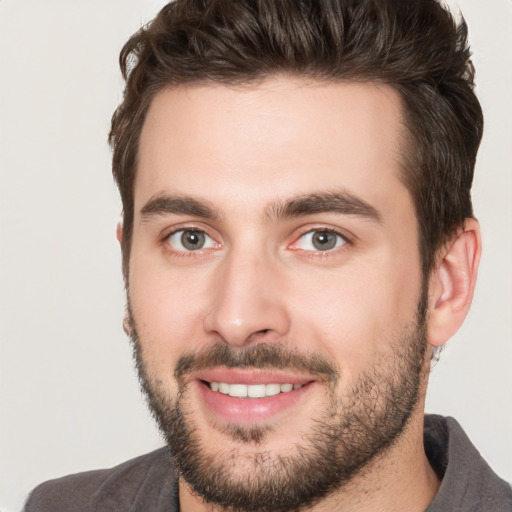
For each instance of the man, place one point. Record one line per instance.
(298, 241)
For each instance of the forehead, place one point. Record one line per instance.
(282, 137)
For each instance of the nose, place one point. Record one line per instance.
(247, 301)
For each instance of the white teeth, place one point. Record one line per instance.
(252, 390)
(238, 390)
(224, 388)
(272, 389)
(256, 391)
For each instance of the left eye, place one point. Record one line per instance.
(320, 241)
(190, 240)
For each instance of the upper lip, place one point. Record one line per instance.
(250, 376)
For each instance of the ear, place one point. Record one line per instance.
(119, 232)
(452, 284)
(127, 324)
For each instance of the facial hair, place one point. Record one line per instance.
(351, 431)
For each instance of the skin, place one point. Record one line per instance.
(244, 152)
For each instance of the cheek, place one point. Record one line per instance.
(168, 309)
(355, 315)
(338, 320)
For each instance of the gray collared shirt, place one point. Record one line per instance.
(149, 483)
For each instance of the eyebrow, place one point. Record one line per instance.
(299, 206)
(323, 202)
(178, 205)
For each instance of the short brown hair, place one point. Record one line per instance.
(413, 45)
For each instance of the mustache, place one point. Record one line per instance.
(261, 356)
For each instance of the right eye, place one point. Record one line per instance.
(321, 240)
(188, 240)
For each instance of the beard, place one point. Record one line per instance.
(356, 426)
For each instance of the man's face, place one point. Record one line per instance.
(275, 255)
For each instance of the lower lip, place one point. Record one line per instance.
(247, 411)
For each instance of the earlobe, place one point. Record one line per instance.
(127, 324)
(119, 232)
(452, 284)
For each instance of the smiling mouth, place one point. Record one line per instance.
(250, 397)
(251, 390)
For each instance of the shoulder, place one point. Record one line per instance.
(138, 484)
(468, 483)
